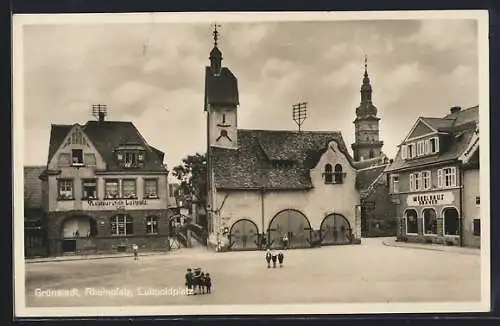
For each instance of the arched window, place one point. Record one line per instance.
(430, 221)
(451, 222)
(339, 176)
(151, 225)
(328, 173)
(411, 221)
(122, 225)
(223, 118)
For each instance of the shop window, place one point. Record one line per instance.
(451, 222)
(328, 173)
(112, 189)
(89, 188)
(77, 157)
(151, 225)
(129, 188)
(65, 189)
(339, 175)
(151, 188)
(411, 221)
(476, 227)
(430, 221)
(122, 225)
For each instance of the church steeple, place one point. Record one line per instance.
(366, 106)
(216, 54)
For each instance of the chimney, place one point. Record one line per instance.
(455, 109)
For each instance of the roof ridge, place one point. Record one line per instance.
(293, 131)
(373, 167)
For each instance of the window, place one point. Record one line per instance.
(476, 227)
(129, 189)
(65, 189)
(112, 190)
(426, 180)
(447, 177)
(411, 221)
(328, 173)
(223, 118)
(170, 191)
(430, 221)
(420, 148)
(411, 150)
(77, 156)
(339, 176)
(89, 159)
(64, 159)
(477, 200)
(151, 225)
(434, 145)
(89, 189)
(122, 225)
(372, 155)
(151, 188)
(395, 183)
(404, 152)
(130, 159)
(451, 222)
(415, 181)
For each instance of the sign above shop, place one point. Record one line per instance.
(118, 203)
(437, 198)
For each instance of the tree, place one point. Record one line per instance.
(192, 174)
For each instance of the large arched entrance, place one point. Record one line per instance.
(335, 229)
(77, 231)
(292, 223)
(451, 221)
(243, 235)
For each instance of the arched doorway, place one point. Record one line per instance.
(335, 229)
(77, 232)
(293, 223)
(243, 235)
(451, 221)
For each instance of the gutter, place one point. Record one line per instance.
(461, 226)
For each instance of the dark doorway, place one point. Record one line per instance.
(69, 246)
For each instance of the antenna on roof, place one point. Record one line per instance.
(100, 111)
(299, 111)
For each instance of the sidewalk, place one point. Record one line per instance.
(433, 247)
(92, 257)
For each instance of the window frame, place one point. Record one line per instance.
(424, 224)
(477, 200)
(338, 173)
(127, 222)
(80, 163)
(442, 177)
(122, 189)
(154, 227)
(478, 233)
(96, 188)
(60, 197)
(328, 173)
(394, 181)
(106, 181)
(406, 220)
(426, 175)
(443, 211)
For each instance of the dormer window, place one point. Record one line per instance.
(328, 173)
(76, 157)
(434, 145)
(130, 159)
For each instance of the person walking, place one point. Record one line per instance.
(280, 258)
(268, 258)
(135, 249)
(274, 258)
(189, 281)
(208, 283)
(285, 241)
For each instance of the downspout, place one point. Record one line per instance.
(262, 190)
(461, 203)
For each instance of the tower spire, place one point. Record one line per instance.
(216, 54)
(216, 34)
(366, 87)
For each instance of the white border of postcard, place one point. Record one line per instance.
(481, 16)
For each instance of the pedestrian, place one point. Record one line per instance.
(196, 281)
(189, 281)
(268, 258)
(273, 256)
(280, 258)
(285, 241)
(208, 282)
(135, 249)
(202, 283)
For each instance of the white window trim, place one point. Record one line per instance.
(444, 222)
(404, 152)
(429, 185)
(412, 182)
(416, 179)
(423, 223)
(406, 221)
(394, 176)
(453, 172)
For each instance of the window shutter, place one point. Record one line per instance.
(454, 177)
(404, 152)
(437, 144)
(412, 182)
(427, 147)
(440, 178)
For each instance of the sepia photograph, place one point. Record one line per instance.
(251, 163)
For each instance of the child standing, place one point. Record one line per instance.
(208, 282)
(189, 281)
(268, 258)
(273, 256)
(135, 249)
(280, 258)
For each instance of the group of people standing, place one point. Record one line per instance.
(198, 282)
(271, 256)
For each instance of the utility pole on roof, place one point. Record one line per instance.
(299, 112)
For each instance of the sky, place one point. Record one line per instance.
(153, 75)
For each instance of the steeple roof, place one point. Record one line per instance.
(366, 107)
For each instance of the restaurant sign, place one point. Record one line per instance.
(437, 198)
(118, 203)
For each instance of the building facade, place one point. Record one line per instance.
(265, 184)
(103, 189)
(35, 235)
(435, 180)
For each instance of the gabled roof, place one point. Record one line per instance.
(459, 127)
(106, 137)
(251, 166)
(366, 177)
(33, 186)
(221, 89)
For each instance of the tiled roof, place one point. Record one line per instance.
(33, 186)
(366, 177)
(460, 128)
(251, 166)
(372, 162)
(222, 89)
(106, 137)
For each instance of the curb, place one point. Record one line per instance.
(389, 244)
(80, 258)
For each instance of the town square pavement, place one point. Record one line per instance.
(370, 272)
